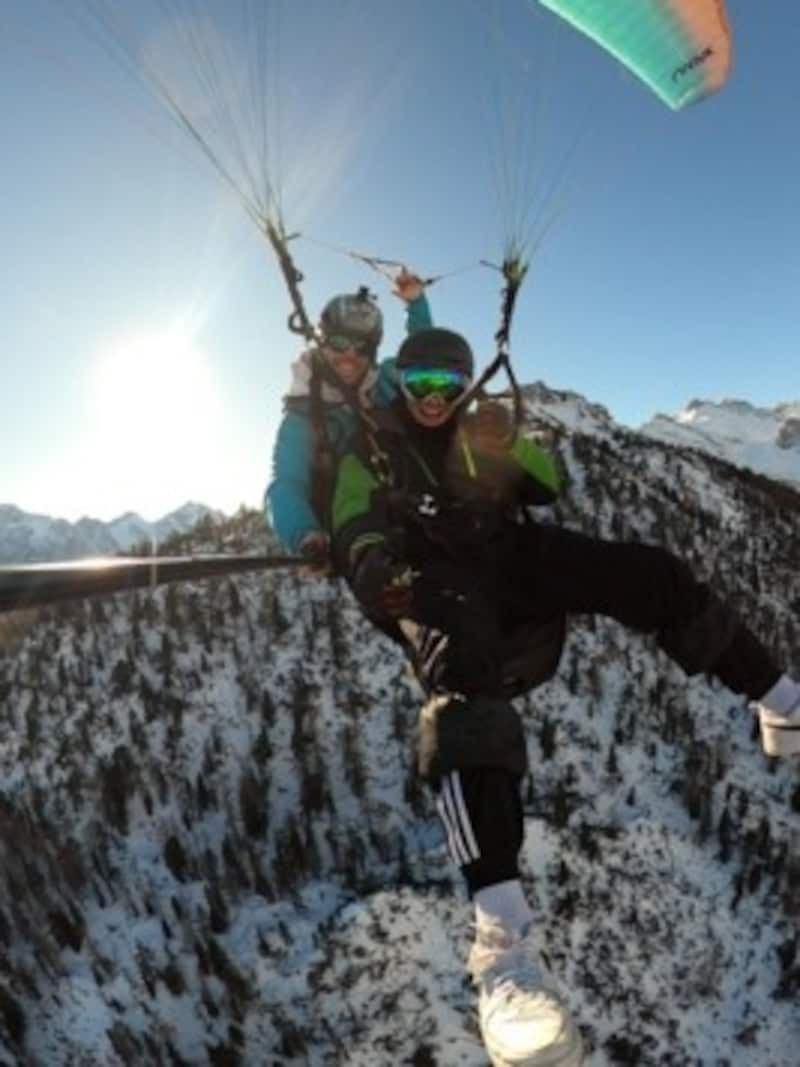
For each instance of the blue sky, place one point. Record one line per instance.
(144, 343)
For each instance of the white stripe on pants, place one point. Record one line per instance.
(453, 812)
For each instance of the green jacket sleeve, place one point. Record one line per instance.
(359, 520)
(543, 482)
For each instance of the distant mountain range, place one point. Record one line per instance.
(765, 440)
(28, 538)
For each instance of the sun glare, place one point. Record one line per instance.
(154, 414)
(159, 380)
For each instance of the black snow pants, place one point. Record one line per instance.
(463, 616)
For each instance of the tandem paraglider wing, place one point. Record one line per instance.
(681, 49)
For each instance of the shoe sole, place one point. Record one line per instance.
(571, 1056)
(780, 738)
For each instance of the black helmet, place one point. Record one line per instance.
(355, 316)
(435, 347)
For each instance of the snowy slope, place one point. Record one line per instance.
(27, 537)
(215, 850)
(766, 440)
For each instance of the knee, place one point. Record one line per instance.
(458, 733)
(699, 637)
(688, 596)
(679, 594)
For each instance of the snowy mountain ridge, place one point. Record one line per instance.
(766, 440)
(26, 537)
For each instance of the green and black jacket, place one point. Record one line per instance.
(425, 494)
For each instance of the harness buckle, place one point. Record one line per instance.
(428, 506)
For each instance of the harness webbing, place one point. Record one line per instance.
(513, 271)
(298, 321)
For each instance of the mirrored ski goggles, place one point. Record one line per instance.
(421, 382)
(340, 343)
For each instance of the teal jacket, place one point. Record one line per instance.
(287, 500)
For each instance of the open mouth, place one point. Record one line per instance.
(433, 409)
(433, 405)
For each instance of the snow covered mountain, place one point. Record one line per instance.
(214, 849)
(26, 537)
(766, 440)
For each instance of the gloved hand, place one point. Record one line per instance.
(382, 585)
(492, 425)
(315, 549)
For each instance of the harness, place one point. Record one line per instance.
(416, 495)
(531, 649)
(323, 457)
